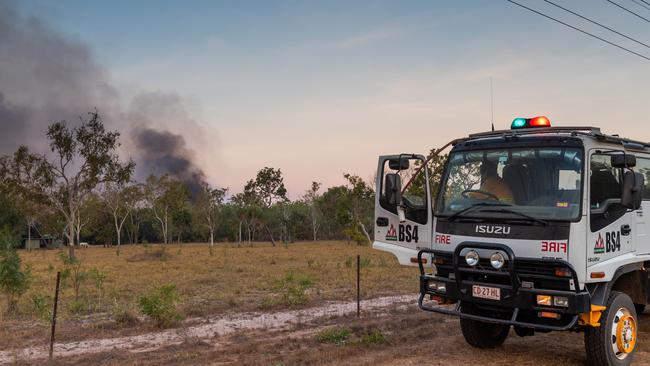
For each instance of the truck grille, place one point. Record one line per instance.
(540, 274)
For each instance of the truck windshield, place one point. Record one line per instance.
(542, 183)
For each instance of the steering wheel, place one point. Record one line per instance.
(466, 193)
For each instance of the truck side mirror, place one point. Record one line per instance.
(398, 164)
(623, 161)
(393, 189)
(632, 193)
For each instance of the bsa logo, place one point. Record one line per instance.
(599, 248)
(391, 234)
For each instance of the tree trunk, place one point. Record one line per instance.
(270, 234)
(165, 230)
(117, 230)
(211, 241)
(240, 233)
(70, 236)
(29, 236)
(365, 232)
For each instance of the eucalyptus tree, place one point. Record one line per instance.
(82, 158)
(360, 200)
(311, 198)
(165, 196)
(120, 199)
(209, 205)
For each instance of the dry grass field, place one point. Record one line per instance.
(263, 280)
(234, 278)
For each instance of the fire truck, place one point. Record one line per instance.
(535, 228)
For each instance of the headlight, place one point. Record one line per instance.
(437, 286)
(561, 301)
(472, 258)
(497, 260)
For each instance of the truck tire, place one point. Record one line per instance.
(483, 335)
(613, 343)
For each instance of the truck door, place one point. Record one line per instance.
(404, 238)
(611, 227)
(642, 239)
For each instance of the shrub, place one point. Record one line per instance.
(334, 335)
(293, 289)
(99, 277)
(14, 279)
(72, 271)
(290, 291)
(78, 306)
(160, 304)
(41, 307)
(373, 337)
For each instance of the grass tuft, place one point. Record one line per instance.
(373, 337)
(334, 335)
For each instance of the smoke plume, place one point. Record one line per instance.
(47, 77)
(163, 152)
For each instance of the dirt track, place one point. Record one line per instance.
(288, 338)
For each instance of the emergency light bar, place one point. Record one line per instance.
(534, 122)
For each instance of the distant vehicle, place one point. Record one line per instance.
(538, 228)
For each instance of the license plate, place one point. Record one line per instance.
(485, 292)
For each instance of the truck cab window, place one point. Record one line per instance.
(541, 182)
(643, 167)
(414, 198)
(605, 183)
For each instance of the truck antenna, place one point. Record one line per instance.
(491, 104)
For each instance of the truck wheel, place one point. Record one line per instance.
(613, 342)
(483, 335)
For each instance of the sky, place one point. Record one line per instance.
(322, 88)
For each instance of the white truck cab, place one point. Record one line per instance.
(538, 228)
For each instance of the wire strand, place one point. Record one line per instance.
(579, 30)
(628, 10)
(643, 5)
(643, 1)
(598, 24)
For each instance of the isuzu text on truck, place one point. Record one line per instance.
(537, 228)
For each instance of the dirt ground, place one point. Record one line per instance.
(411, 337)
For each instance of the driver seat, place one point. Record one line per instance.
(517, 177)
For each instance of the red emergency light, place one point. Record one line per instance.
(534, 122)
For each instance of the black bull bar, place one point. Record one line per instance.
(516, 298)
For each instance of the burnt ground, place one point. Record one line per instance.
(409, 337)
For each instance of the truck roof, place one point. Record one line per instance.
(580, 132)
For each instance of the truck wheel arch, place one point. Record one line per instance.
(631, 279)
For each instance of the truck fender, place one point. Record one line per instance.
(599, 292)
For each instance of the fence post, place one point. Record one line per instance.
(358, 285)
(56, 301)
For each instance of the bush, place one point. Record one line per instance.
(14, 280)
(72, 271)
(293, 289)
(290, 291)
(41, 307)
(373, 337)
(160, 304)
(334, 335)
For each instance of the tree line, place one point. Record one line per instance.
(82, 192)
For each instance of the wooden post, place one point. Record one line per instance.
(358, 285)
(56, 301)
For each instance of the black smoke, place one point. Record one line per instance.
(162, 152)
